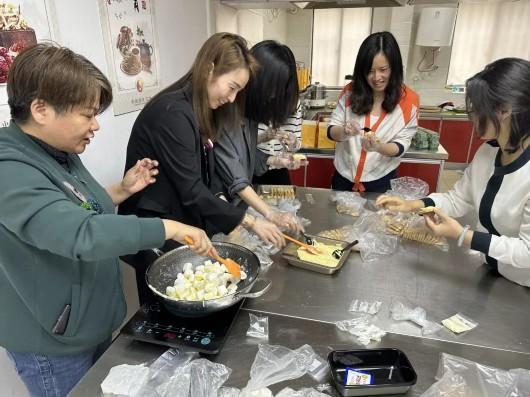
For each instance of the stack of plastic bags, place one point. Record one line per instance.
(176, 374)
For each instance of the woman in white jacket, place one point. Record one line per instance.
(496, 185)
(375, 118)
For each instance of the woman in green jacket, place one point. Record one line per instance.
(60, 239)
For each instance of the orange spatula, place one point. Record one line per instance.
(307, 247)
(232, 266)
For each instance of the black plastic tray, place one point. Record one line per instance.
(390, 370)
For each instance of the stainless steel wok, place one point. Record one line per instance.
(163, 272)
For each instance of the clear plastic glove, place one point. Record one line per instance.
(352, 128)
(396, 203)
(370, 143)
(287, 160)
(288, 140)
(417, 315)
(284, 220)
(268, 232)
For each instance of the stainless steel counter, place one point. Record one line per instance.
(240, 350)
(440, 154)
(302, 307)
(443, 283)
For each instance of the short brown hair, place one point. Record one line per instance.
(56, 75)
(227, 52)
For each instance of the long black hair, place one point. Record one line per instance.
(363, 98)
(502, 86)
(272, 93)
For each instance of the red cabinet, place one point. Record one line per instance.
(433, 125)
(319, 173)
(427, 172)
(455, 137)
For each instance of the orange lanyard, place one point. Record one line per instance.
(357, 184)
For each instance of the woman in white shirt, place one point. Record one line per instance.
(496, 185)
(376, 101)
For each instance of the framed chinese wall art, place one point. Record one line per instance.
(132, 53)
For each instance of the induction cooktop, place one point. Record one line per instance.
(153, 323)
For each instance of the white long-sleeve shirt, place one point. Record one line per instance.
(500, 196)
(398, 126)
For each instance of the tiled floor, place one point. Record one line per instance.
(449, 178)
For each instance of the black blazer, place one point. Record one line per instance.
(167, 130)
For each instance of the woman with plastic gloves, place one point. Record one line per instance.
(375, 118)
(179, 127)
(271, 96)
(495, 186)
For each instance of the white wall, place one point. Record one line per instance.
(182, 27)
(275, 25)
(430, 85)
(247, 23)
(299, 35)
(403, 23)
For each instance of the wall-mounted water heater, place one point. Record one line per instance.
(436, 26)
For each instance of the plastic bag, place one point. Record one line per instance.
(345, 233)
(417, 315)
(350, 203)
(274, 364)
(228, 392)
(173, 374)
(417, 230)
(450, 385)
(409, 188)
(467, 378)
(125, 380)
(169, 372)
(306, 392)
(369, 307)
(362, 328)
(178, 385)
(374, 246)
(411, 226)
(317, 367)
(207, 377)
(459, 323)
(251, 241)
(374, 243)
(259, 327)
(143, 381)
